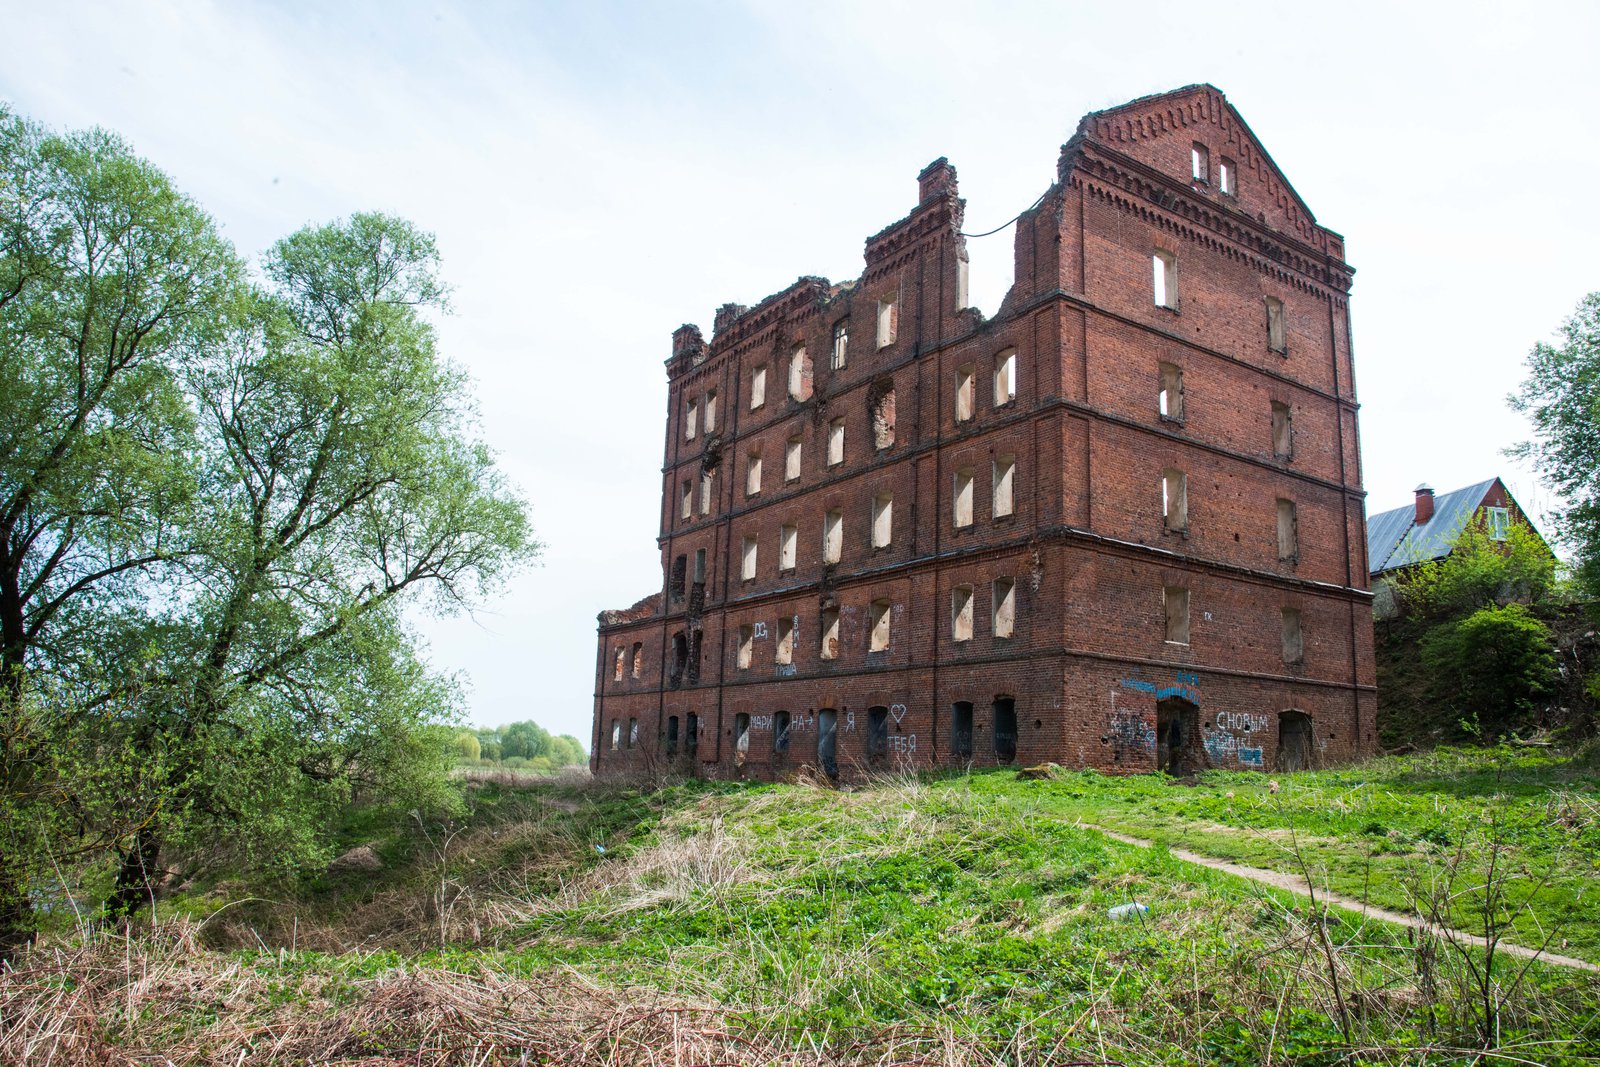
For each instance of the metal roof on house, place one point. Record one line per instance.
(1395, 540)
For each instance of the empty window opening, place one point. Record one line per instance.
(758, 387)
(963, 497)
(616, 734)
(1005, 470)
(686, 510)
(1294, 741)
(1288, 531)
(791, 459)
(961, 730)
(788, 540)
(691, 733)
(707, 478)
(966, 386)
(691, 420)
(1005, 607)
(1165, 265)
(961, 613)
(799, 374)
(877, 737)
(752, 474)
(783, 650)
(882, 520)
(1225, 171)
(741, 737)
(780, 732)
(747, 645)
(1498, 522)
(616, 675)
(1277, 335)
(747, 559)
(1294, 647)
(833, 536)
(836, 441)
(1005, 730)
(829, 646)
(827, 742)
(694, 656)
(1282, 430)
(880, 407)
(882, 610)
(1169, 399)
(699, 566)
(1005, 377)
(841, 343)
(1175, 606)
(888, 322)
(638, 659)
(1200, 163)
(1175, 499)
(711, 412)
(680, 575)
(680, 658)
(672, 735)
(1179, 751)
(633, 733)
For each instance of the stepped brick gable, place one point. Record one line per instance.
(1118, 525)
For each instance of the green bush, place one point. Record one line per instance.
(1480, 572)
(1492, 667)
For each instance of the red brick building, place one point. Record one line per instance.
(1117, 525)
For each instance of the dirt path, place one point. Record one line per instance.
(1296, 884)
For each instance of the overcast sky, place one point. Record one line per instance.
(599, 173)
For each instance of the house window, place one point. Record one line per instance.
(1288, 532)
(747, 560)
(961, 613)
(880, 614)
(1294, 646)
(1005, 469)
(963, 497)
(799, 374)
(1005, 377)
(1498, 521)
(880, 403)
(888, 322)
(791, 459)
(829, 646)
(788, 537)
(1200, 163)
(752, 474)
(1282, 430)
(1175, 604)
(882, 520)
(966, 386)
(687, 510)
(1165, 266)
(691, 420)
(1004, 614)
(758, 387)
(616, 734)
(1277, 336)
(617, 674)
(1225, 169)
(638, 659)
(841, 343)
(711, 412)
(833, 536)
(836, 442)
(1175, 500)
(783, 651)
(1169, 398)
(747, 644)
(706, 480)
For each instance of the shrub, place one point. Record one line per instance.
(1491, 667)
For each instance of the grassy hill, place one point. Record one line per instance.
(961, 919)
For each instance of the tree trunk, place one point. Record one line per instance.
(137, 874)
(17, 926)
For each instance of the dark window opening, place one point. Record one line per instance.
(877, 737)
(1005, 730)
(672, 735)
(741, 738)
(680, 658)
(827, 742)
(691, 733)
(961, 730)
(679, 568)
(780, 732)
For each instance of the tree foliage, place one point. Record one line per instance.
(531, 744)
(1492, 667)
(1480, 572)
(1561, 397)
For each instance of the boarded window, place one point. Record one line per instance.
(1200, 163)
(1277, 333)
(882, 520)
(961, 613)
(752, 474)
(791, 459)
(711, 412)
(1004, 620)
(880, 404)
(687, 509)
(836, 441)
(1288, 531)
(963, 497)
(799, 374)
(841, 343)
(1282, 430)
(1165, 266)
(880, 621)
(707, 478)
(616, 675)
(966, 386)
(1005, 377)
(783, 650)
(1175, 499)
(758, 387)
(1175, 603)
(747, 645)
(1005, 470)
(888, 321)
(788, 539)
(1225, 173)
(638, 659)
(691, 420)
(1169, 398)
(780, 732)
(828, 648)
(1294, 649)
(747, 559)
(833, 536)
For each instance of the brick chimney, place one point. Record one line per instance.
(1424, 503)
(937, 179)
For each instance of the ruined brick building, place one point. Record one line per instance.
(1117, 525)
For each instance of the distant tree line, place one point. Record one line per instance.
(520, 744)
